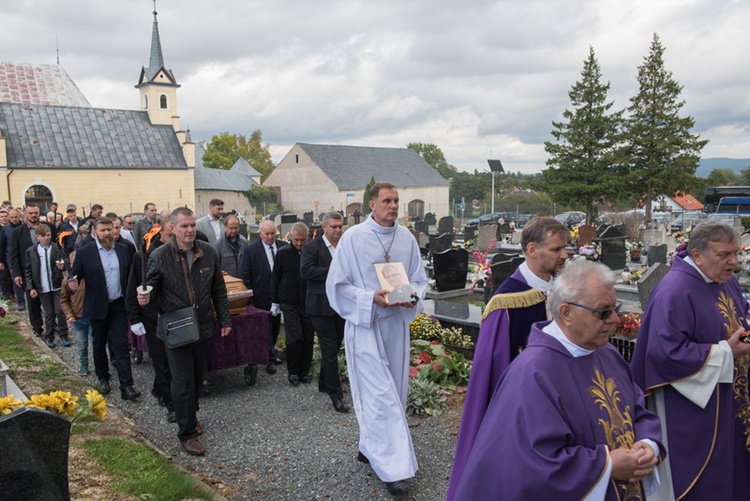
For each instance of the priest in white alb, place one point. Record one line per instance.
(376, 336)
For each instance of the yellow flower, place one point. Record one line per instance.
(43, 401)
(64, 403)
(7, 404)
(97, 404)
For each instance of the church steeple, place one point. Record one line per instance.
(158, 85)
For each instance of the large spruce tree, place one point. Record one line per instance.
(660, 153)
(581, 165)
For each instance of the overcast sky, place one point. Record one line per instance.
(477, 78)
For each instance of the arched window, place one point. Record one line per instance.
(145, 102)
(40, 195)
(163, 101)
(416, 209)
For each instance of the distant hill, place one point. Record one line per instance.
(709, 164)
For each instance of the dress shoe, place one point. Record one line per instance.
(339, 405)
(66, 342)
(49, 343)
(251, 375)
(193, 447)
(159, 398)
(171, 417)
(129, 393)
(294, 380)
(304, 379)
(198, 428)
(20, 307)
(137, 356)
(271, 369)
(103, 387)
(362, 458)
(397, 488)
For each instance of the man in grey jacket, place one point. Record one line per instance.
(170, 288)
(231, 246)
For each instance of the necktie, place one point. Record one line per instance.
(273, 255)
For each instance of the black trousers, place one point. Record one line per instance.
(188, 366)
(113, 329)
(157, 352)
(35, 314)
(299, 339)
(54, 318)
(330, 336)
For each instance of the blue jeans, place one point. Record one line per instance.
(82, 330)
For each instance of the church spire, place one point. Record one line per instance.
(156, 60)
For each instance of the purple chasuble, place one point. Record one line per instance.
(684, 319)
(502, 334)
(551, 423)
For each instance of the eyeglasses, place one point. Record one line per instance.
(601, 314)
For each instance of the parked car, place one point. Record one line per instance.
(687, 219)
(572, 218)
(490, 218)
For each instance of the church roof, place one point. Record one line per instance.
(156, 58)
(218, 179)
(73, 137)
(242, 167)
(43, 84)
(351, 167)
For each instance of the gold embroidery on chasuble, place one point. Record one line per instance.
(618, 427)
(732, 322)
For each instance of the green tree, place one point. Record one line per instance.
(225, 149)
(660, 153)
(434, 156)
(581, 159)
(265, 199)
(723, 177)
(469, 187)
(366, 196)
(744, 177)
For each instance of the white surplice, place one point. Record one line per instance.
(376, 340)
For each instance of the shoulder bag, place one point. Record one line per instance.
(180, 327)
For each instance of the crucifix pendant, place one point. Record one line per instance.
(387, 257)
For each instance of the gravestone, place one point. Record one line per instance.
(586, 234)
(252, 238)
(415, 234)
(485, 235)
(288, 218)
(648, 282)
(502, 230)
(450, 268)
(612, 241)
(503, 269)
(657, 254)
(470, 232)
(424, 241)
(515, 238)
(503, 256)
(34, 462)
(440, 243)
(307, 218)
(356, 216)
(445, 225)
(422, 227)
(430, 219)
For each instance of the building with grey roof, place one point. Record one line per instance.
(338, 175)
(228, 185)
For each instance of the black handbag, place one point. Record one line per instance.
(180, 327)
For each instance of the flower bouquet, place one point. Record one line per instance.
(590, 252)
(630, 324)
(63, 403)
(480, 273)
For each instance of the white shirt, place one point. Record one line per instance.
(45, 269)
(216, 226)
(331, 247)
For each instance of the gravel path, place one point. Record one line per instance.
(278, 442)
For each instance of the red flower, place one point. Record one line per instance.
(437, 367)
(425, 357)
(413, 371)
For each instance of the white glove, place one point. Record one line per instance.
(138, 329)
(275, 309)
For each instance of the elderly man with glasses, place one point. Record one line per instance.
(567, 421)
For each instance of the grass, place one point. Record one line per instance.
(138, 470)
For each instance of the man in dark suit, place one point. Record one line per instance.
(256, 272)
(106, 266)
(21, 239)
(314, 263)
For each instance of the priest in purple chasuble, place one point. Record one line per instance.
(691, 362)
(376, 334)
(567, 421)
(517, 304)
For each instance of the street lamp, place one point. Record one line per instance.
(495, 166)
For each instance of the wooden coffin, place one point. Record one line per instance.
(237, 294)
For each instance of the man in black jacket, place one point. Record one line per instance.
(314, 264)
(288, 296)
(256, 273)
(166, 275)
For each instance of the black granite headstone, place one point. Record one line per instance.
(503, 229)
(430, 219)
(445, 225)
(612, 241)
(470, 232)
(288, 218)
(422, 227)
(450, 268)
(34, 458)
(503, 269)
(307, 218)
(503, 256)
(440, 243)
(648, 282)
(657, 254)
